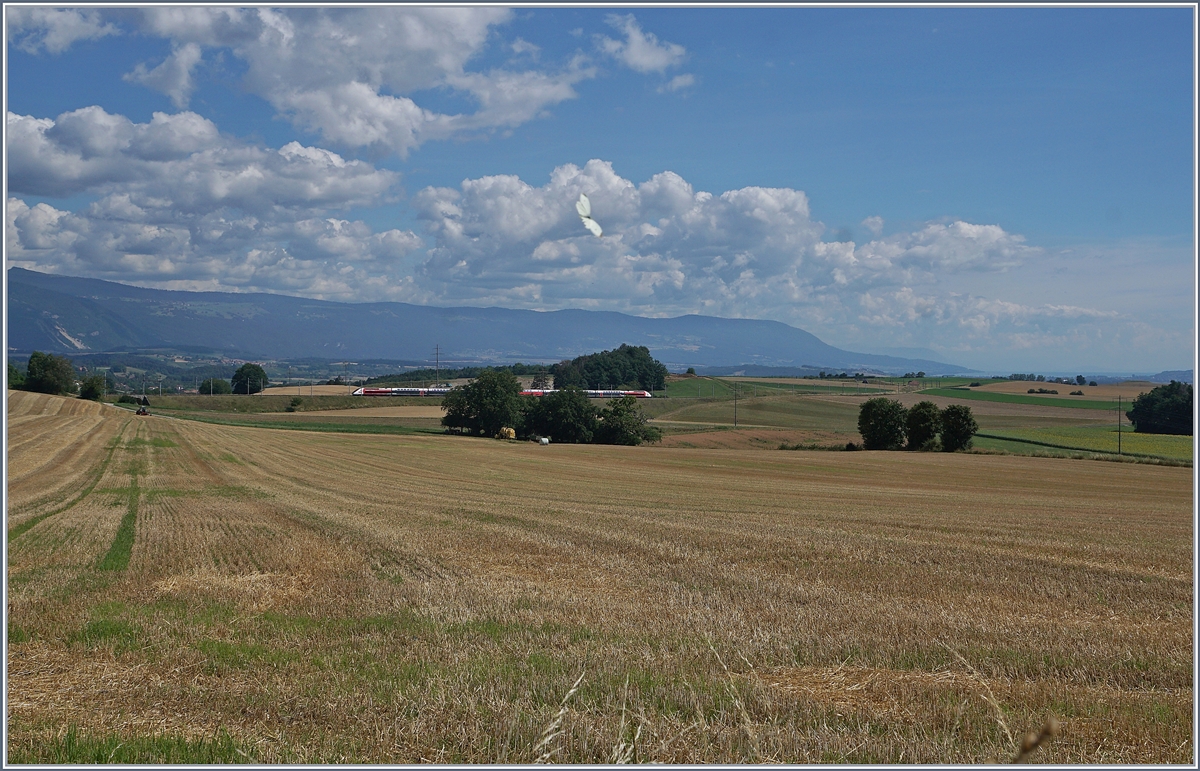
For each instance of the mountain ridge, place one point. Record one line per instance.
(66, 314)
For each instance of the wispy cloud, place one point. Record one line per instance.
(639, 50)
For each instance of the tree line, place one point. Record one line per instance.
(885, 424)
(625, 367)
(493, 402)
(51, 374)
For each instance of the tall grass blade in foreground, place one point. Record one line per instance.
(545, 749)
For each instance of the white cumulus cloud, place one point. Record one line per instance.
(352, 74)
(178, 204)
(54, 30)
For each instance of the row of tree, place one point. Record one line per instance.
(50, 374)
(45, 373)
(1079, 379)
(885, 424)
(493, 401)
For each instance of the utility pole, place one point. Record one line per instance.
(437, 365)
(735, 404)
(1118, 424)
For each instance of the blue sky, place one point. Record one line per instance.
(1010, 188)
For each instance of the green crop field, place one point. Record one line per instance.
(1048, 401)
(772, 411)
(1102, 439)
(188, 592)
(722, 387)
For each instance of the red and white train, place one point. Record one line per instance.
(591, 394)
(402, 392)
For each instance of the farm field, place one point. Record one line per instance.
(1130, 389)
(1102, 438)
(822, 418)
(1062, 400)
(189, 592)
(830, 421)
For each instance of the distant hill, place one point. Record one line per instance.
(1182, 375)
(63, 314)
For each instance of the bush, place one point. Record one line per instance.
(215, 386)
(127, 399)
(922, 423)
(851, 447)
(882, 424)
(958, 426)
(1167, 409)
(623, 422)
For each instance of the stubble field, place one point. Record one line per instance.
(190, 592)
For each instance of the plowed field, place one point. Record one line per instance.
(190, 592)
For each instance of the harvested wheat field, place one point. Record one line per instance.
(1130, 389)
(189, 592)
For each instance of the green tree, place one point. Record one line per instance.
(249, 379)
(623, 422)
(922, 424)
(625, 367)
(485, 405)
(958, 426)
(49, 374)
(215, 385)
(16, 378)
(566, 415)
(881, 422)
(1166, 409)
(92, 387)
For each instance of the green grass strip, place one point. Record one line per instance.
(17, 530)
(1081, 449)
(1045, 401)
(118, 554)
(78, 748)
